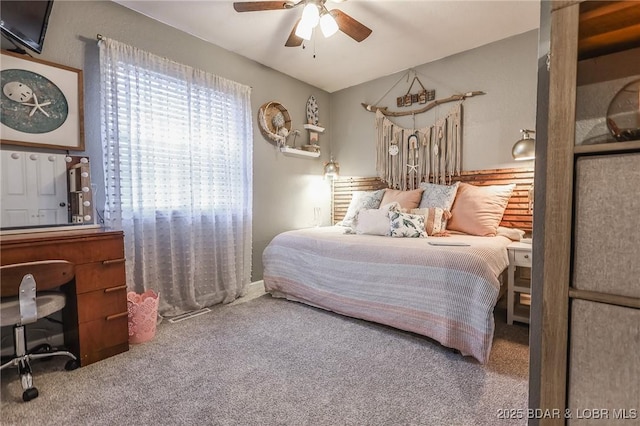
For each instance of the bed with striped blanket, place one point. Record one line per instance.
(446, 293)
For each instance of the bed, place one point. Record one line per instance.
(446, 293)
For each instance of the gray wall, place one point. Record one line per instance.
(504, 70)
(285, 189)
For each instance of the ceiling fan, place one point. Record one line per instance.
(314, 13)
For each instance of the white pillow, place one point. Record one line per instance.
(375, 221)
(513, 234)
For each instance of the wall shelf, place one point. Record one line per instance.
(609, 147)
(293, 152)
(313, 128)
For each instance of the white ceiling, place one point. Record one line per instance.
(405, 34)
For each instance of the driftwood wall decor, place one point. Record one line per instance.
(429, 106)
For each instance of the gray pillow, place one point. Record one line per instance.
(435, 195)
(361, 200)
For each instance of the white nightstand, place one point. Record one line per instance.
(519, 284)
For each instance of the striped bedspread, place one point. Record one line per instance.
(446, 293)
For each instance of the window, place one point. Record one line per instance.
(178, 166)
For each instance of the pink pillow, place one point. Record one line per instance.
(478, 210)
(408, 199)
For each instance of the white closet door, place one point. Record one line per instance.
(34, 189)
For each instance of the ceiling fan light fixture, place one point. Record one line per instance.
(328, 24)
(304, 31)
(310, 15)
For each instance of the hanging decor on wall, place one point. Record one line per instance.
(421, 97)
(274, 122)
(41, 103)
(429, 106)
(312, 110)
(406, 157)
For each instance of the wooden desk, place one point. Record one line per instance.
(95, 316)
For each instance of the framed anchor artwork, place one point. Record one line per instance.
(41, 103)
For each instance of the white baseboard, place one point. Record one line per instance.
(256, 289)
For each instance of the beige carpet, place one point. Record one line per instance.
(273, 362)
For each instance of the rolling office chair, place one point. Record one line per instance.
(24, 302)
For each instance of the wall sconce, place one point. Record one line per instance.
(525, 148)
(331, 169)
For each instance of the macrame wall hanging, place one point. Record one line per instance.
(405, 157)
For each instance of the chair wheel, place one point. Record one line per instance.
(29, 394)
(41, 349)
(71, 365)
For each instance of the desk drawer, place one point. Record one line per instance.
(522, 258)
(100, 275)
(99, 335)
(78, 251)
(99, 259)
(101, 303)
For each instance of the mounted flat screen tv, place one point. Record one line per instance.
(25, 22)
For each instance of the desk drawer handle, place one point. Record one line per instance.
(526, 256)
(116, 316)
(112, 289)
(112, 262)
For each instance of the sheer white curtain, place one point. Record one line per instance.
(177, 145)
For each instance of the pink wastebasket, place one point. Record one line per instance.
(143, 314)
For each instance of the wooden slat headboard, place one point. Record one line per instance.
(516, 214)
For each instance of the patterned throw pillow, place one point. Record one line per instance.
(435, 220)
(361, 200)
(407, 225)
(441, 196)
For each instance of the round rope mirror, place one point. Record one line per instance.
(274, 122)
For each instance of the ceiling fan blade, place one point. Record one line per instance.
(350, 26)
(256, 6)
(294, 40)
